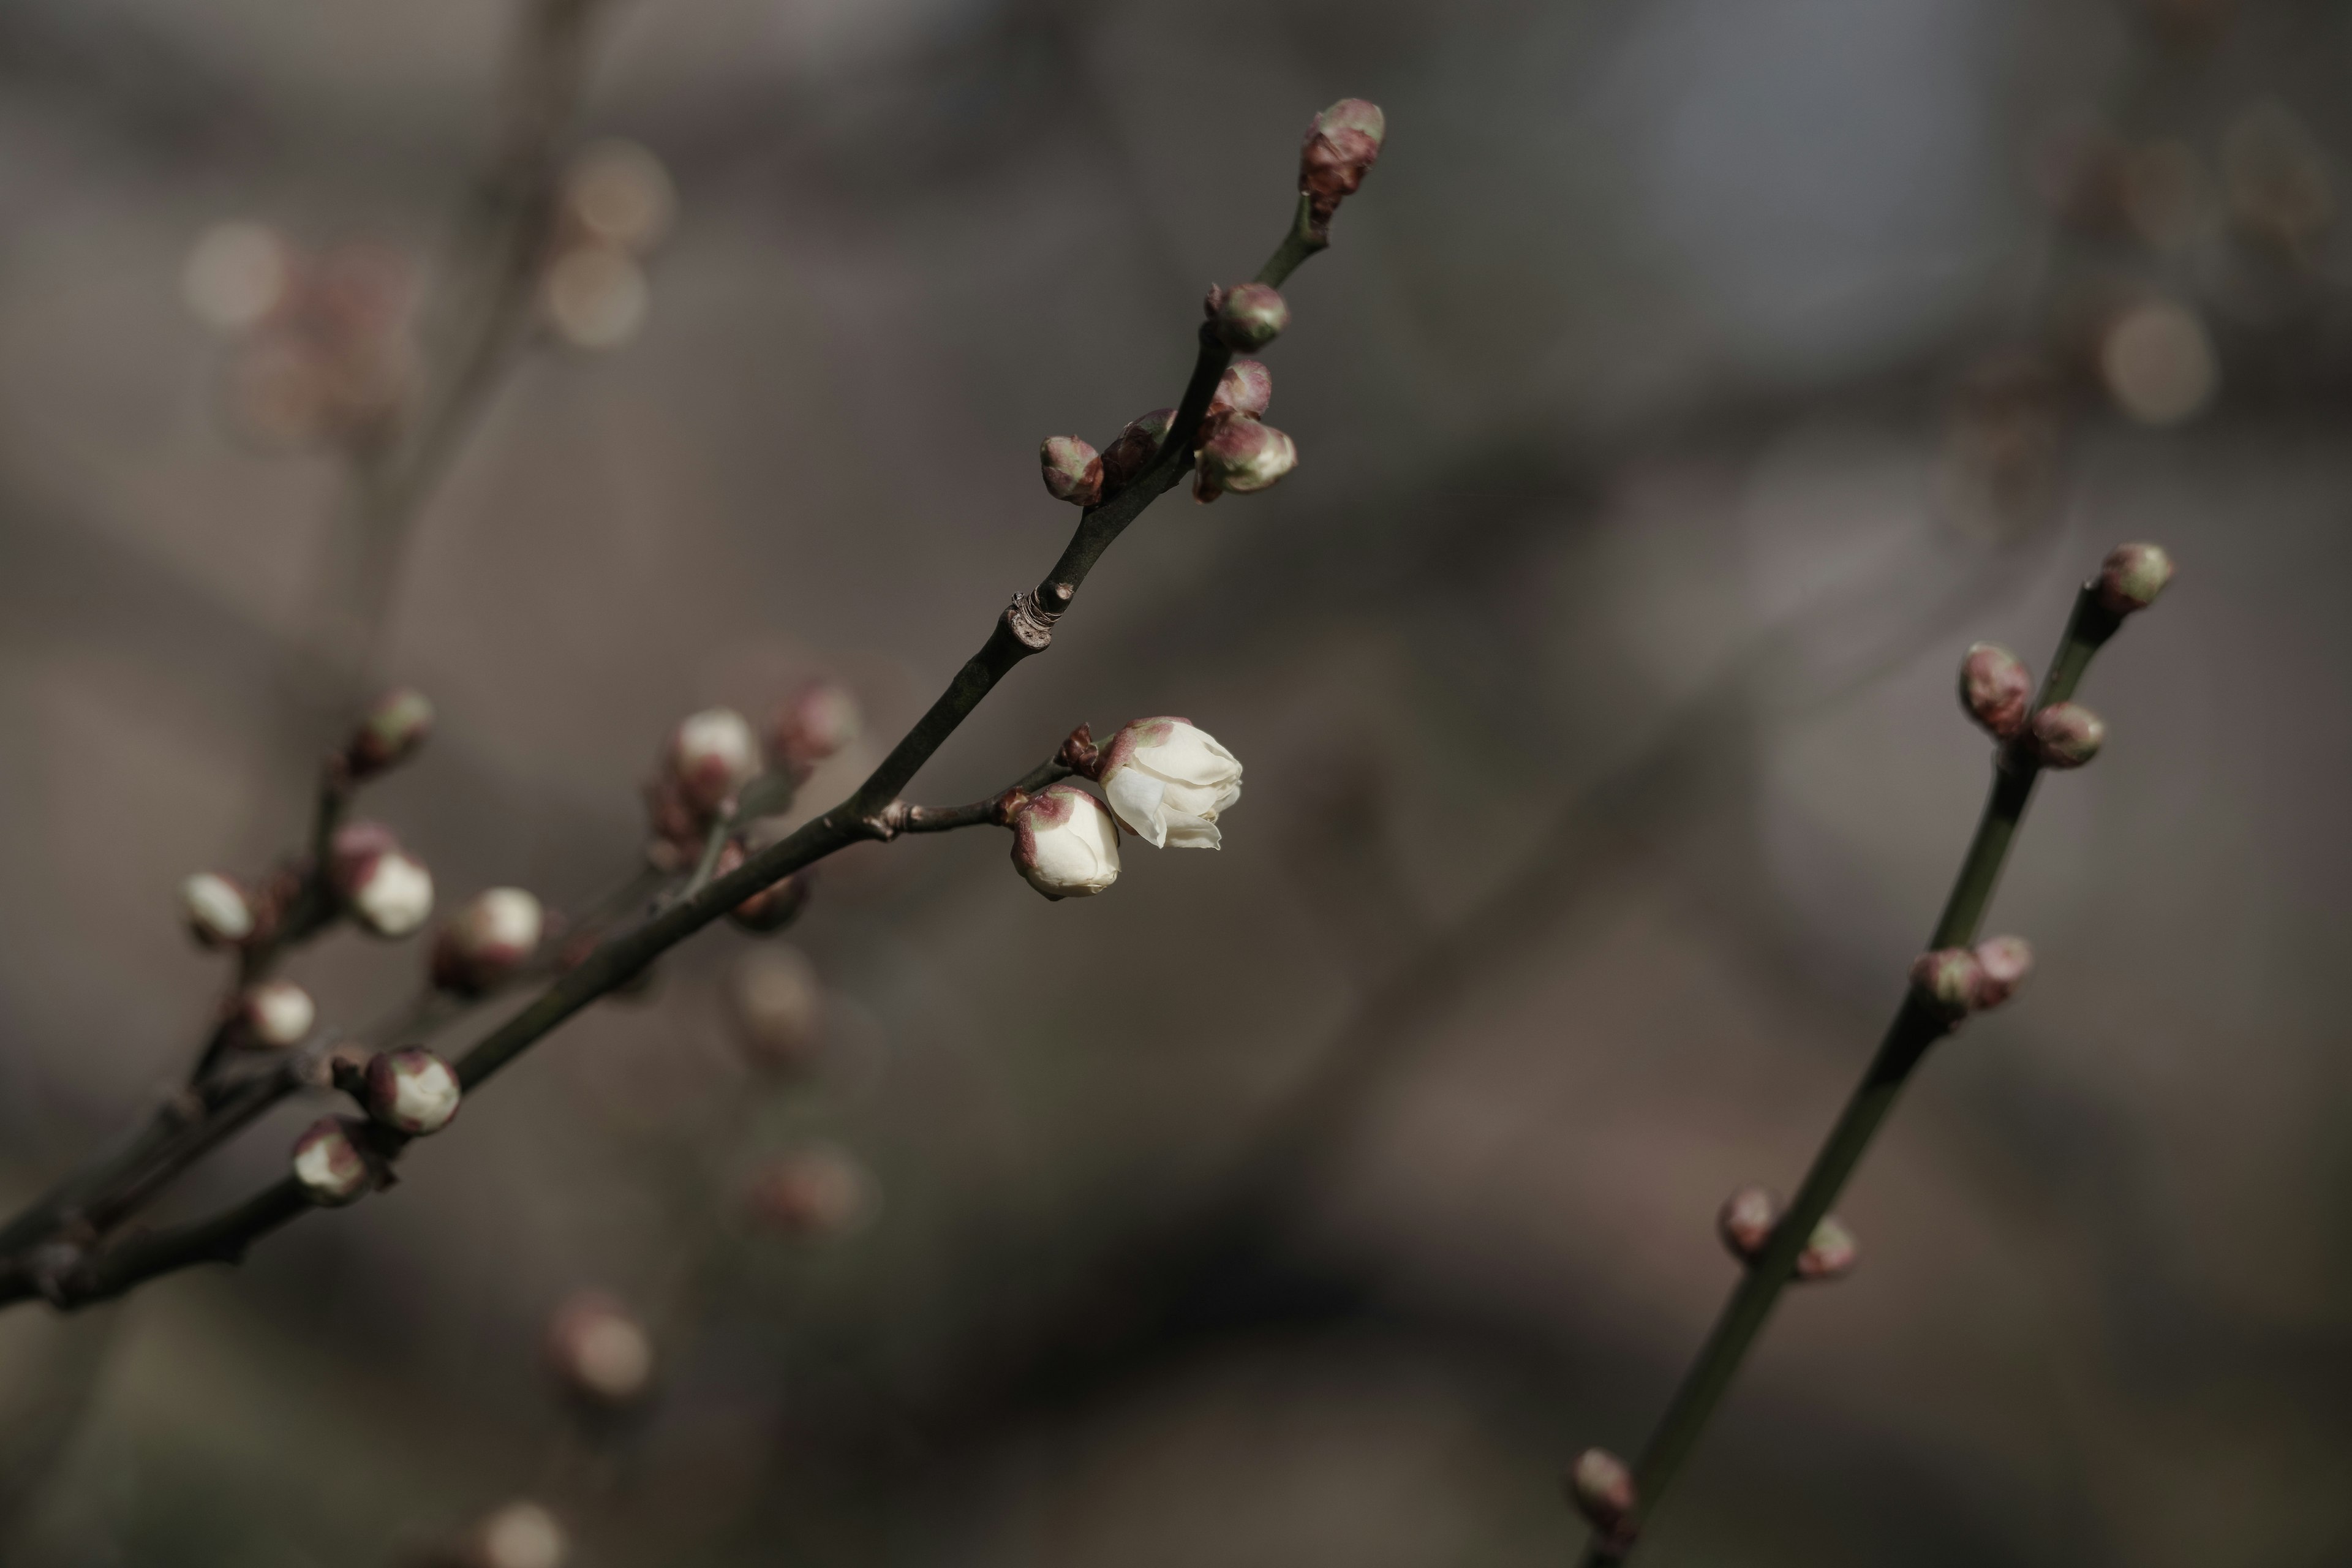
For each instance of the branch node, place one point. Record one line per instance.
(1030, 618)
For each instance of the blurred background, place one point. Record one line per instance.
(1689, 385)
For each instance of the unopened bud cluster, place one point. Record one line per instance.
(1996, 690)
(1166, 780)
(1750, 1217)
(1953, 982)
(707, 759)
(1234, 449)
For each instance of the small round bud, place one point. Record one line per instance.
(1248, 316)
(1601, 1486)
(1065, 843)
(1343, 144)
(810, 1193)
(599, 1354)
(389, 893)
(411, 1091)
(2067, 735)
(2132, 576)
(779, 1007)
(519, 1535)
(1133, 452)
(2003, 965)
(493, 935)
(1746, 1220)
(329, 1163)
(219, 912)
(619, 192)
(1946, 978)
(1830, 1253)
(278, 1012)
(1241, 456)
(819, 720)
(236, 275)
(1074, 470)
(712, 754)
(1247, 388)
(1997, 689)
(395, 725)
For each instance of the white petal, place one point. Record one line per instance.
(1138, 798)
(1190, 755)
(1191, 832)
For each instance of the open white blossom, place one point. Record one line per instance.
(1168, 781)
(1065, 843)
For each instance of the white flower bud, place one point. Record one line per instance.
(1241, 456)
(390, 894)
(779, 1005)
(519, 1535)
(1073, 469)
(1248, 316)
(391, 729)
(2003, 965)
(598, 1353)
(812, 1193)
(2132, 576)
(1745, 1221)
(329, 1164)
(818, 722)
(1065, 843)
(1247, 388)
(1947, 980)
(2067, 735)
(1167, 780)
(712, 754)
(217, 910)
(411, 1091)
(1997, 689)
(492, 935)
(1830, 1252)
(1601, 1486)
(278, 1013)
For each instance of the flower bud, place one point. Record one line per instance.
(2003, 965)
(219, 912)
(395, 725)
(493, 934)
(278, 1014)
(1601, 1486)
(1248, 316)
(1133, 452)
(411, 1091)
(2132, 576)
(598, 1353)
(779, 1007)
(1167, 781)
(2067, 735)
(1074, 470)
(1247, 388)
(519, 1535)
(1746, 1220)
(810, 1193)
(387, 890)
(818, 722)
(1830, 1253)
(1241, 456)
(1342, 143)
(1997, 689)
(1065, 843)
(712, 754)
(329, 1164)
(1947, 980)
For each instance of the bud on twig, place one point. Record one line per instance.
(810, 1193)
(218, 912)
(1248, 316)
(1247, 388)
(1997, 689)
(388, 891)
(1746, 1220)
(1133, 452)
(2067, 735)
(411, 1091)
(278, 1014)
(329, 1163)
(779, 1007)
(1830, 1252)
(493, 935)
(1947, 980)
(712, 755)
(1241, 456)
(1602, 1488)
(599, 1354)
(2003, 965)
(2132, 576)
(1065, 843)
(1074, 470)
(820, 720)
(395, 725)
(1167, 780)
(1343, 144)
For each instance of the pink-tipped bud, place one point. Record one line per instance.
(598, 1353)
(779, 1007)
(1073, 470)
(816, 722)
(522, 1534)
(1830, 1253)
(2003, 965)
(1997, 689)
(1248, 316)
(1343, 144)
(1133, 452)
(278, 1014)
(2067, 735)
(411, 1091)
(810, 1193)
(1247, 388)
(1746, 1220)
(1065, 843)
(219, 912)
(493, 934)
(712, 755)
(395, 725)
(383, 887)
(1241, 456)
(2132, 576)
(1601, 1486)
(329, 1164)
(1947, 980)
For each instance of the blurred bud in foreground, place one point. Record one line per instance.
(235, 275)
(219, 912)
(598, 1353)
(389, 732)
(329, 1163)
(778, 1004)
(1133, 452)
(1073, 469)
(773, 907)
(1247, 388)
(712, 755)
(1248, 316)
(1746, 1220)
(815, 723)
(810, 1193)
(278, 1014)
(1343, 144)
(2159, 362)
(493, 934)
(1065, 843)
(1167, 780)
(411, 1091)
(1947, 981)
(1241, 456)
(385, 889)
(332, 358)
(521, 1534)
(619, 192)
(596, 296)
(2132, 576)
(1830, 1253)
(1602, 1488)
(2003, 965)
(1997, 689)
(2067, 735)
